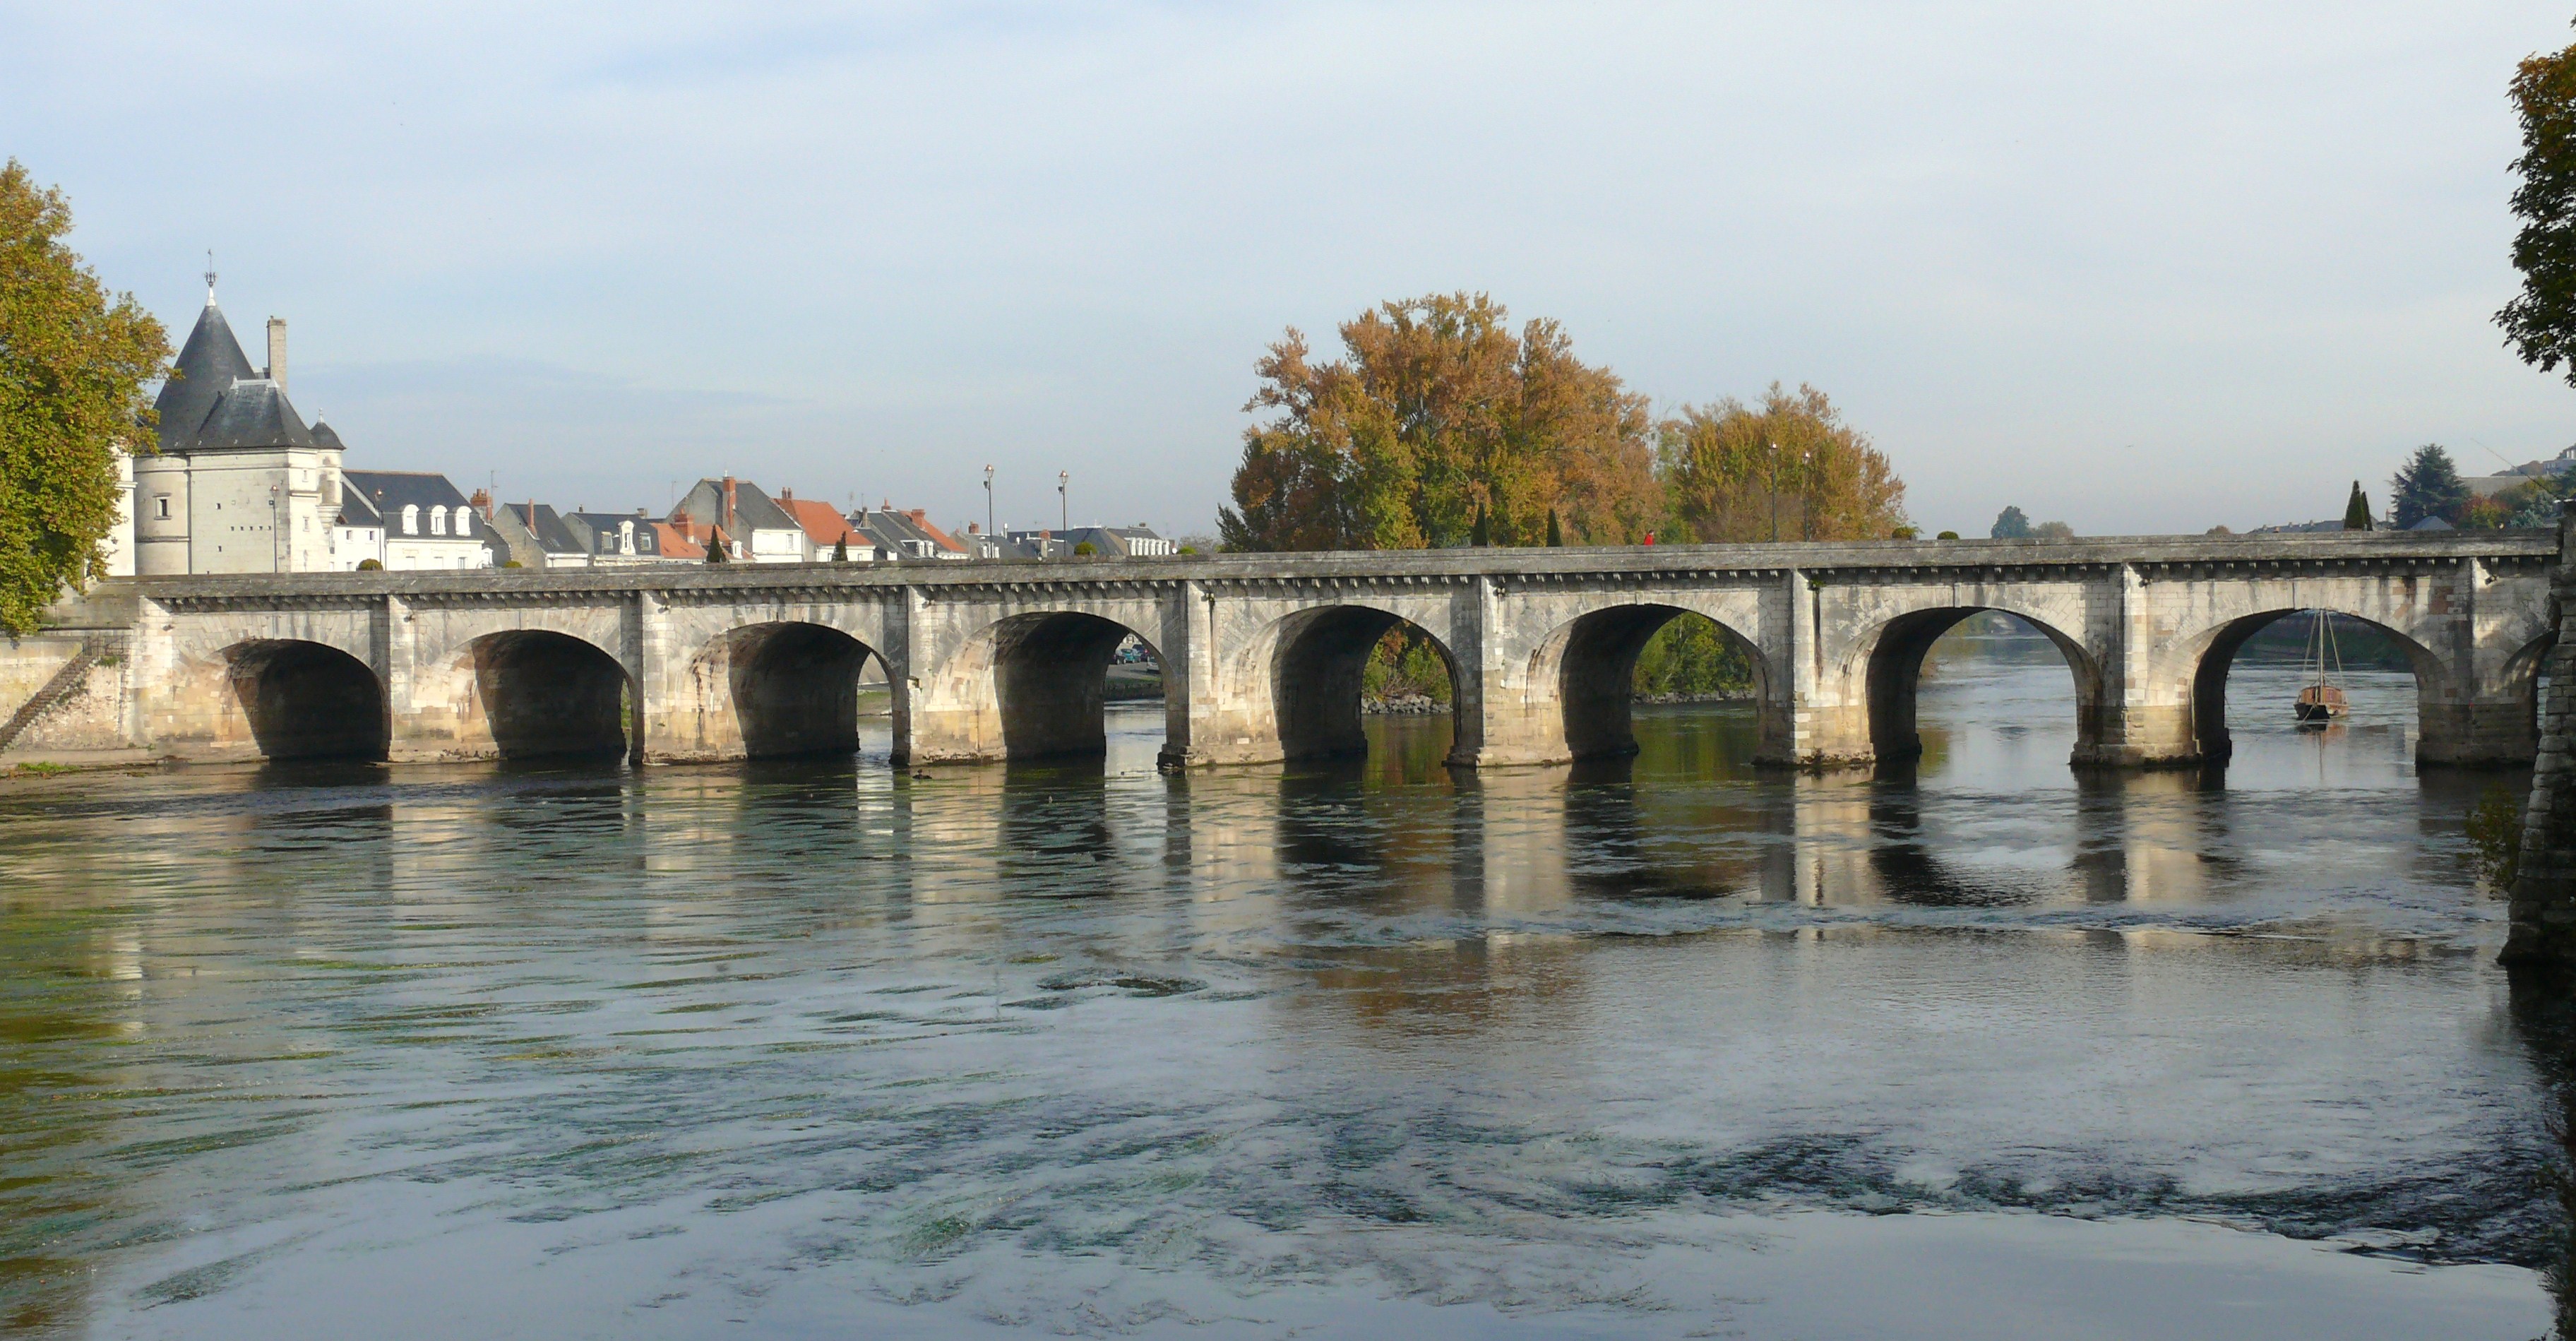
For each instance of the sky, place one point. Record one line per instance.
(2142, 268)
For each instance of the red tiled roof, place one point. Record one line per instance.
(823, 523)
(675, 542)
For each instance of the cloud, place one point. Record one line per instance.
(2140, 268)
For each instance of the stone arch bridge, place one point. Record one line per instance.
(1263, 653)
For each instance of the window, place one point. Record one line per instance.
(438, 521)
(162, 503)
(411, 518)
(465, 521)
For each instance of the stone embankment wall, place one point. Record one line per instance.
(2544, 894)
(56, 702)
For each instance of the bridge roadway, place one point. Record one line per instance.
(1263, 653)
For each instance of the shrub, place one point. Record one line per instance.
(370, 566)
(1085, 550)
(1947, 535)
(2495, 837)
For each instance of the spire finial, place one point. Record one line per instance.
(210, 276)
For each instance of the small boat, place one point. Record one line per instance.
(2322, 700)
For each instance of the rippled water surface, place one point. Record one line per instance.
(1661, 1048)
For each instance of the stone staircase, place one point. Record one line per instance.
(63, 685)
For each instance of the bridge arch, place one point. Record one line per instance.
(1893, 675)
(1026, 686)
(527, 694)
(1590, 664)
(2216, 657)
(777, 689)
(299, 699)
(1314, 662)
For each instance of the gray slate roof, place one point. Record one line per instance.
(208, 365)
(251, 415)
(753, 510)
(392, 490)
(552, 535)
(601, 530)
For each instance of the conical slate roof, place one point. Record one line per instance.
(209, 363)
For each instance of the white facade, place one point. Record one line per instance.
(264, 511)
(433, 537)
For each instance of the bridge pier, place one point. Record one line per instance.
(2543, 903)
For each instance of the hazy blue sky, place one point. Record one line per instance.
(2139, 267)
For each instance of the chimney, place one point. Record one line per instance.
(277, 351)
(481, 502)
(787, 495)
(728, 501)
(974, 528)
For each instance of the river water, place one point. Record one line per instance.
(1664, 1048)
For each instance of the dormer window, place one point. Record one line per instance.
(465, 521)
(411, 519)
(438, 521)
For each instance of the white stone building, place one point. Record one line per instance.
(243, 485)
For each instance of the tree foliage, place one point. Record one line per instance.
(2540, 322)
(2356, 510)
(1789, 469)
(1690, 658)
(2428, 485)
(74, 360)
(1405, 663)
(1437, 411)
(2011, 524)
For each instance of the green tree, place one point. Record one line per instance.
(2540, 322)
(1482, 533)
(74, 360)
(2052, 530)
(1438, 409)
(1691, 658)
(2011, 524)
(2428, 485)
(1789, 469)
(1555, 533)
(841, 548)
(2356, 510)
(716, 546)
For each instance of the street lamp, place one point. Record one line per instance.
(989, 537)
(1773, 465)
(272, 528)
(1064, 509)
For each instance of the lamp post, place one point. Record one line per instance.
(272, 528)
(1064, 509)
(1772, 463)
(989, 537)
(1806, 461)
